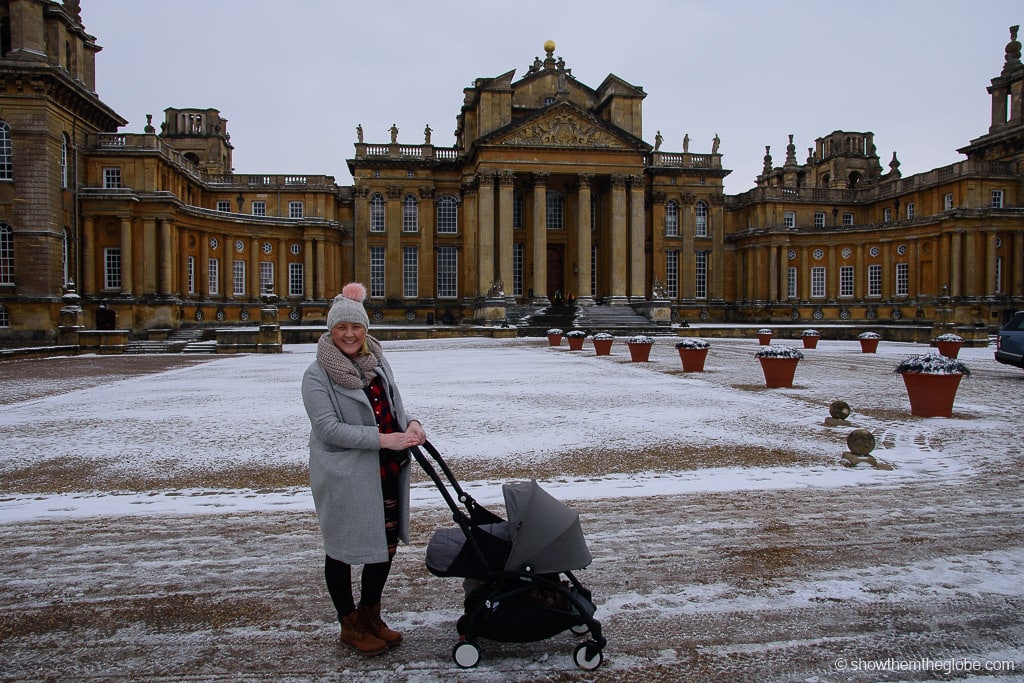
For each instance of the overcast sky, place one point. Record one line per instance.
(294, 79)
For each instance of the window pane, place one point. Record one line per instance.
(818, 282)
(410, 214)
(554, 210)
(377, 271)
(214, 276)
(448, 215)
(6, 254)
(238, 278)
(295, 279)
(447, 272)
(377, 214)
(410, 272)
(112, 268)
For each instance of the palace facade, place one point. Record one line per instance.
(549, 193)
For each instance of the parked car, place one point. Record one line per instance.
(1010, 341)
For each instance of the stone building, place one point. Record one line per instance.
(549, 194)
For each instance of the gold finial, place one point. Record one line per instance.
(549, 47)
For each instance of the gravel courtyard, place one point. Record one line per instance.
(906, 575)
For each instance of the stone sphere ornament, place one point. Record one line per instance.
(860, 442)
(840, 410)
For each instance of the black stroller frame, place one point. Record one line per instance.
(507, 604)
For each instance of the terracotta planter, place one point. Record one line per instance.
(693, 359)
(949, 349)
(575, 343)
(764, 339)
(555, 339)
(778, 372)
(603, 347)
(868, 345)
(931, 395)
(811, 342)
(639, 353)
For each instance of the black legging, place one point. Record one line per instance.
(339, 584)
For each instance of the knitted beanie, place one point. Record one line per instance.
(348, 307)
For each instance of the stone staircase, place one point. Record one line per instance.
(616, 320)
(178, 341)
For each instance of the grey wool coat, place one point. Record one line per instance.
(344, 466)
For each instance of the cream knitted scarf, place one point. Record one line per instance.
(351, 373)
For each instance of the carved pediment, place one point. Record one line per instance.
(561, 128)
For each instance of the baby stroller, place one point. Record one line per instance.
(513, 570)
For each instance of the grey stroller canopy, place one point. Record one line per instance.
(546, 534)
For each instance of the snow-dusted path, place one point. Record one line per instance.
(728, 542)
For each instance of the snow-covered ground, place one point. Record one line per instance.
(157, 526)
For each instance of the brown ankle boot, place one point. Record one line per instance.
(375, 625)
(357, 636)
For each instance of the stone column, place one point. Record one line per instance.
(687, 255)
(319, 281)
(165, 273)
(956, 264)
(832, 279)
(584, 295)
(88, 283)
(203, 267)
(969, 264)
(637, 228)
(619, 247)
(989, 280)
(183, 263)
(360, 230)
(308, 268)
(860, 274)
(393, 252)
(281, 269)
(773, 273)
(254, 269)
(540, 240)
(888, 271)
(1018, 263)
(149, 252)
(127, 270)
(506, 185)
(485, 231)
(804, 275)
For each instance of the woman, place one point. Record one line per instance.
(358, 467)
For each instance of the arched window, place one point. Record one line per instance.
(377, 213)
(671, 219)
(447, 214)
(64, 161)
(6, 254)
(554, 210)
(6, 162)
(701, 211)
(410, 213)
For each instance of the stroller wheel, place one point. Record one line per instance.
(585, 662)
(466, 654)
(580, 629)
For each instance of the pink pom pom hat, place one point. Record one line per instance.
(348, 307)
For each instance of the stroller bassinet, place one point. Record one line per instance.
(513, 570)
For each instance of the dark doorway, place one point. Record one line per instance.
(556, 270)
(106, 319)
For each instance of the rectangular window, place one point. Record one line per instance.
(819, 219)
(997, 199)
(448, 272)
(111, 178)
(6, 254)
(410, 214)
(410, 272)
(238, 278)
(377, 272)
(224, 206)
(5, 317)
(214, 276)
(887, 215)
(112, 268)
(791, 283)
(266, 276)
(259, 208)
(517, 269)
(902, 279)
(947, 201)
(875, 280)
(700, 274)
(910, 211)
(789, 219)
(672, 273)
(818, 282)
(191, 263)
(294, 209)
(296, 286)
(845, 280)
(447, 215)
(847, 219)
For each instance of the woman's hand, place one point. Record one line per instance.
(399, 441)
